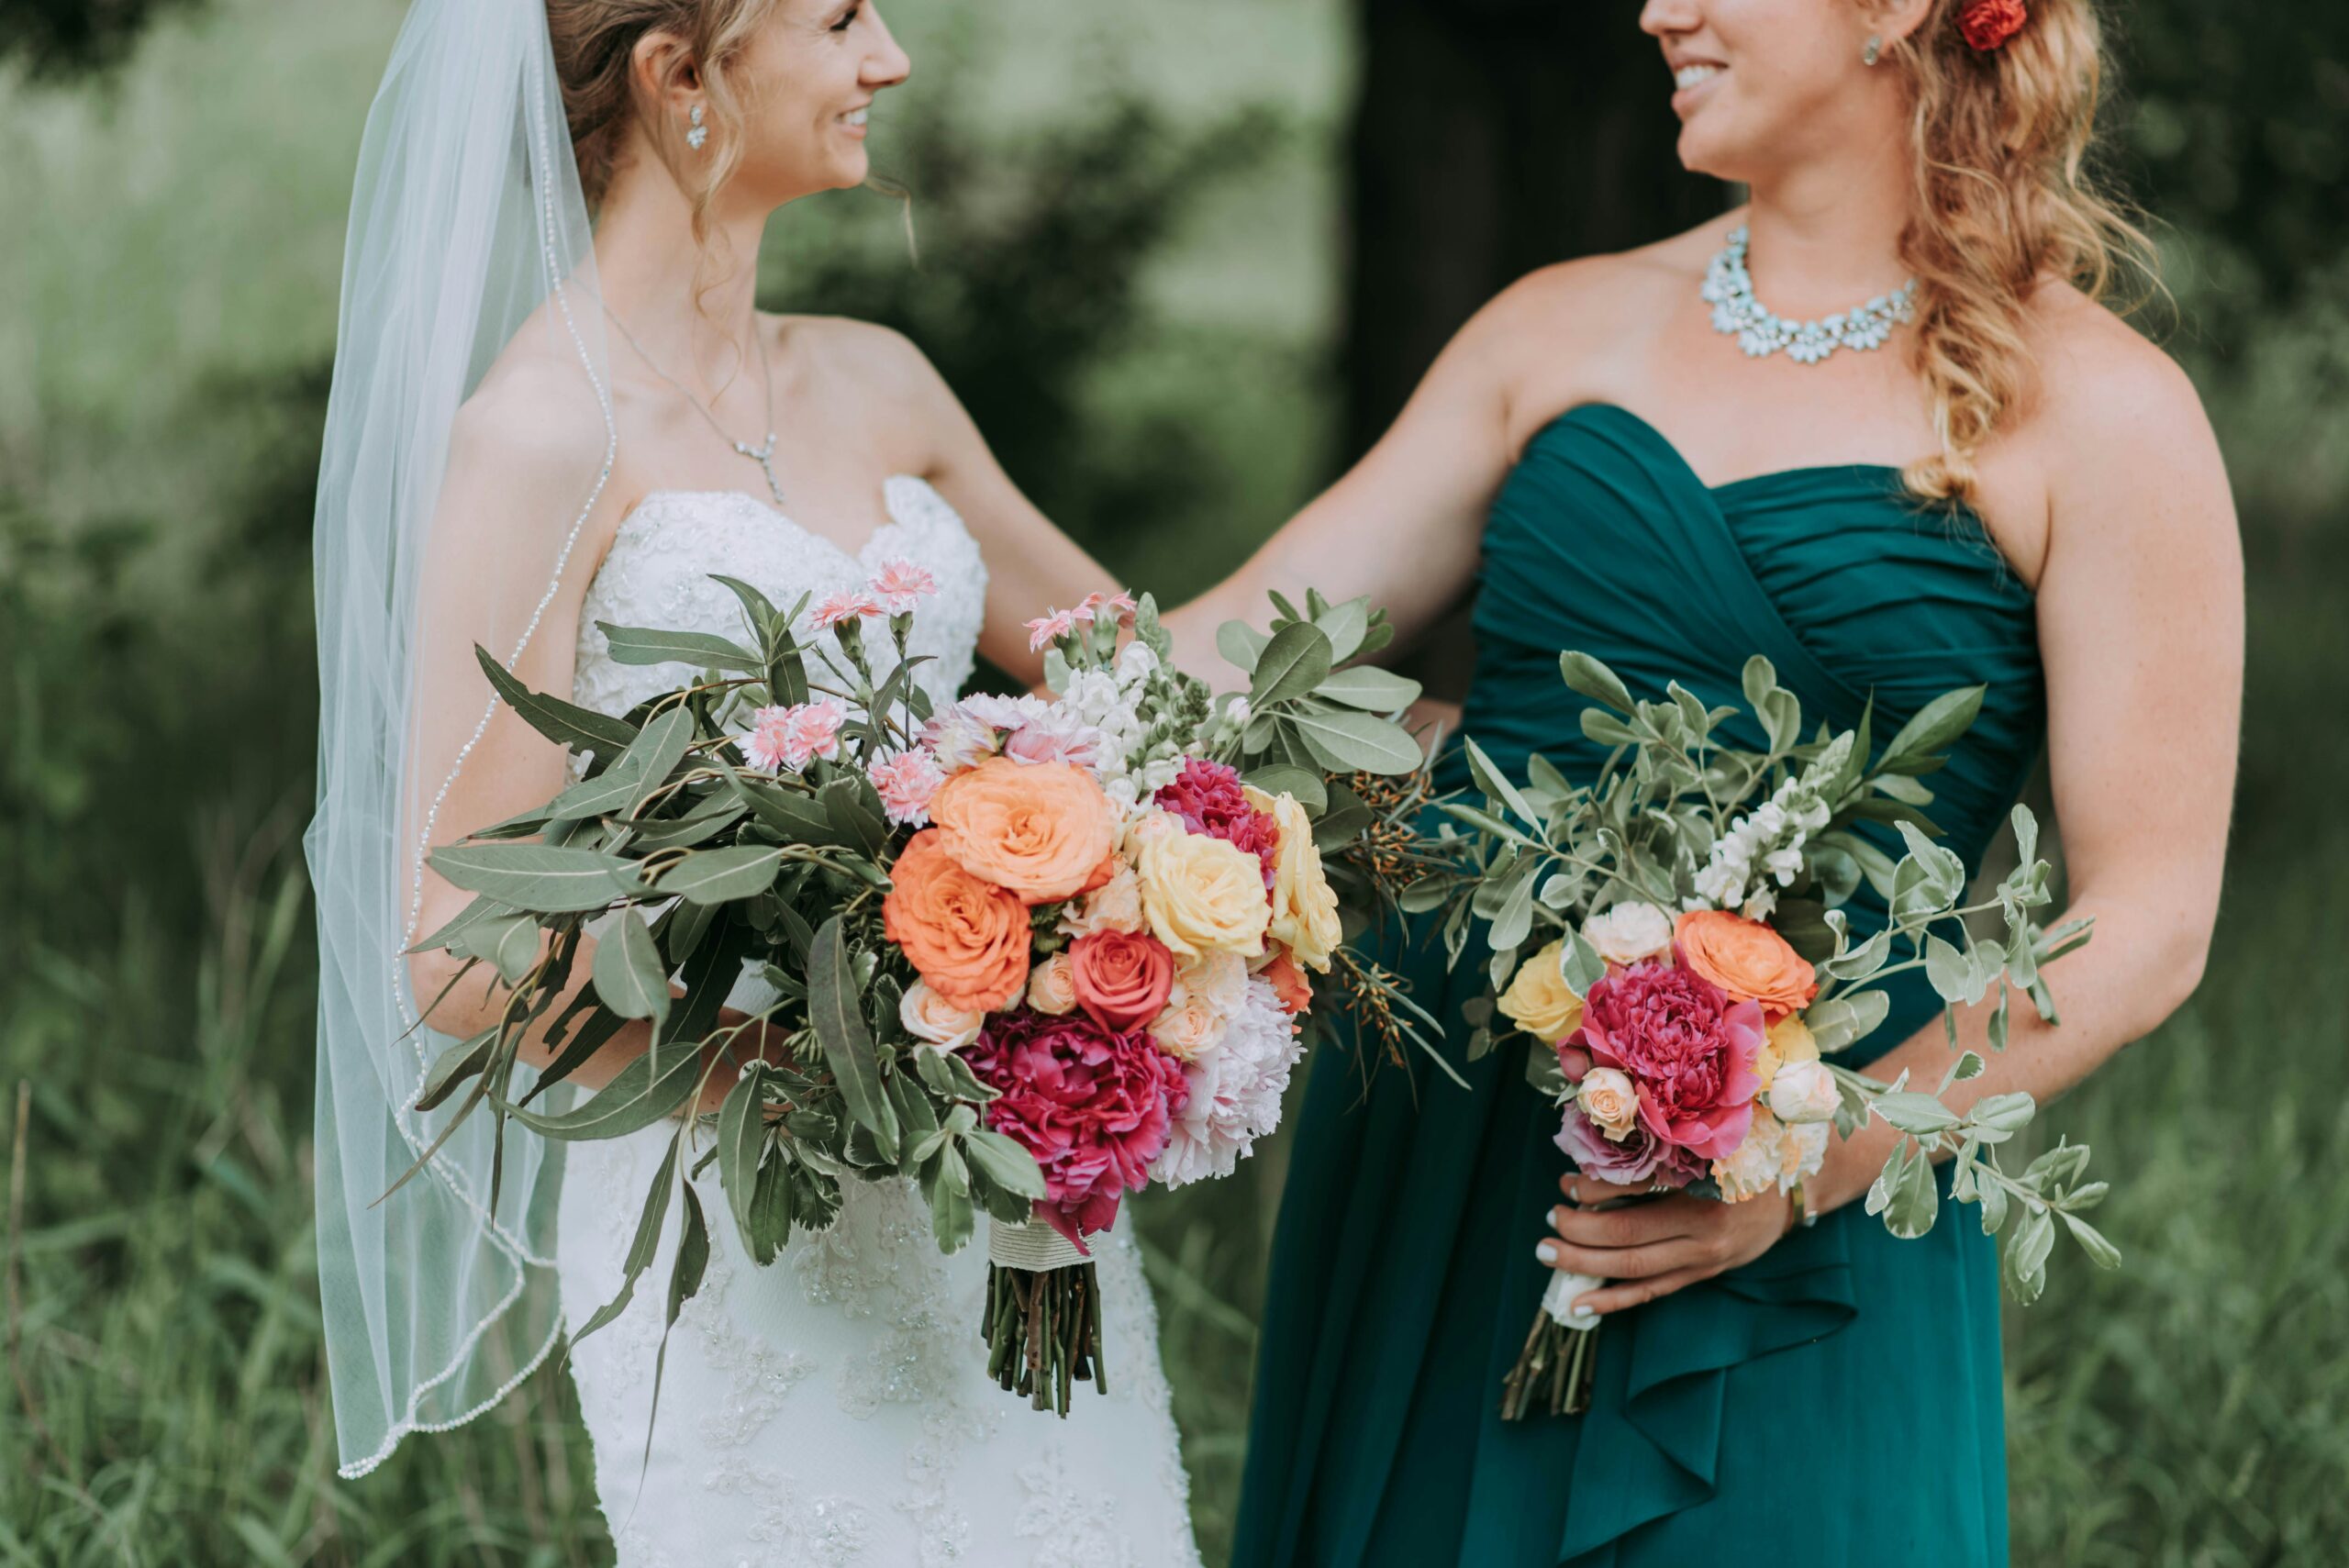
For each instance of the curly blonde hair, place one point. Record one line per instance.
(595, 42)
(2007, 198)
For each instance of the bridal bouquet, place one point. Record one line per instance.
(1673, 940)
(1031, 953)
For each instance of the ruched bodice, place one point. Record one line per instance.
(1773, 1414)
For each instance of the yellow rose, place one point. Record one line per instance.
(1200, 894)
(1305, 909)
(1789, 1039)
(1539, 1000)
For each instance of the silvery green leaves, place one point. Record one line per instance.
(1306, 708)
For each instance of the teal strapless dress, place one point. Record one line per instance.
(1835, 1402)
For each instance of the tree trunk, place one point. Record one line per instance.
(1492, 137)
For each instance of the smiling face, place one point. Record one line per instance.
(806, 81)
(1762, 85)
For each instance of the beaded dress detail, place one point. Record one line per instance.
(832, 1410)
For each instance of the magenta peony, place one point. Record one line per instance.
(1688, 1047)
(1206, 797)
(1092, 1105)
(1640, 1156)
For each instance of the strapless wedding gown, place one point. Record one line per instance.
(832, 1409)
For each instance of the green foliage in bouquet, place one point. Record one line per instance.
(1677, 818)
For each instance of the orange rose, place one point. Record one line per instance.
(1288, 983)
(1042, 830)
(1746, 958)
(967, 937)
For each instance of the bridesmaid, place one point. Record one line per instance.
(1945, 462)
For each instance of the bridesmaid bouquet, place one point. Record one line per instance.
(1029, 953)
(1692, 972)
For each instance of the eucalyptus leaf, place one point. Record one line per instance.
(652, 645)
(1308, 786)
(1364, 686)
(1357, 742)
(1295, 660)
(1594, 680)
(834, 1005)
(465, 1060)
(538, 877)
(1241, 644)
(580, 728)
(630, 979)
(1843, 1021)
(741, 1138)
(724, 875)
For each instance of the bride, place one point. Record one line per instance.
(536, 428)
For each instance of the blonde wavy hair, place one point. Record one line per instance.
(2007, 196)
(593, 43)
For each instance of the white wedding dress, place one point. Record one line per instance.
(832, 1410)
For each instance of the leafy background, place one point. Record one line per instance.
(1176, 278)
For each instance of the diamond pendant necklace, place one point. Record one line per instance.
(1760, 332)
(764, 455)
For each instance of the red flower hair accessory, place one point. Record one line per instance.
(1988, 24)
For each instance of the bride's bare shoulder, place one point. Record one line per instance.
(537, 410)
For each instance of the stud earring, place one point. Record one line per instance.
(700, 132)
(1873, 52)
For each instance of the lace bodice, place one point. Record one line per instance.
(657, 573)
(832, 1410)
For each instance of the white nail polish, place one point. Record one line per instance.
(1547, 1252)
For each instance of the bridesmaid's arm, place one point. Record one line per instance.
(2141, 629)
(1032, 566)
(1403, 526)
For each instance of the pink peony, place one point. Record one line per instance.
(1641, 1156)
(848, 604)
(1688, 1047)
(1205, 795)
(905, 781)
(1092, 1105)
(900, 586)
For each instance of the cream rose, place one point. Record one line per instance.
(1758, 1166)
(1200, 894)
(1305, 908)
(1051, 986)
(935, 1021)
(1629, 932)
(1610, 1102)
(1114, 906)
(1188, 1026)
(1539, 1000)
(1805, 1092)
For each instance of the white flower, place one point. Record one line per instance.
(1236, 1089)
(1804, 1091)
(1629, 932)
(1785, 864)
(1754, 1168)
(1805, 1152)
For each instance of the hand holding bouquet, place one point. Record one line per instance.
(1693, 971)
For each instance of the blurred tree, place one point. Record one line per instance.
(61, 37)
(1491, 137)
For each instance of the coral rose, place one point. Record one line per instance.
(1746, 958)
(1988, 24)
(1200, 894)
(967, 937)
(1121, 980)
(1288, 983)
(1539, 1000)
(1042, 830)
(1305, 909)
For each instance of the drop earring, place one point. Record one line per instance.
(1873, 52)
(700, 132)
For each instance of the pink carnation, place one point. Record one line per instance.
(1205, 795)
(1050, 628)
(1121, 607)
(905, 781)
(848, 604)
(900, 586)
(793, 737)
(1688, 1048)
(1093, 1106)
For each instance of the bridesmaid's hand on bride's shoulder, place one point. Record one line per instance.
(1652, 1249)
